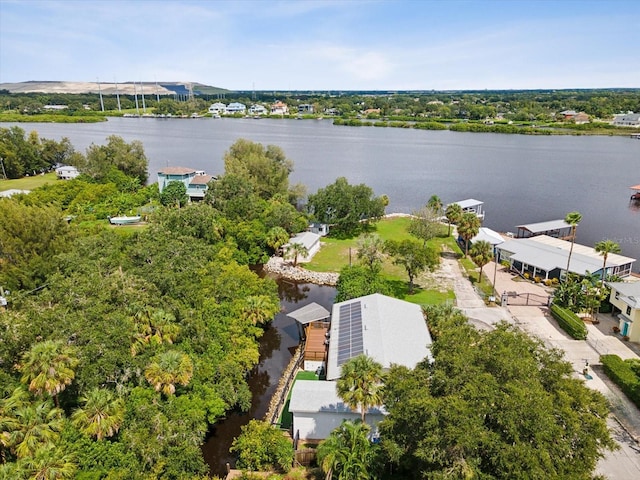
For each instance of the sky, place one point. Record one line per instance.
(325, 45)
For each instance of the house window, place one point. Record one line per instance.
(617, 295)
(628, 310)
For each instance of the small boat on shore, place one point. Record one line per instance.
(635, 196)
(124, 220)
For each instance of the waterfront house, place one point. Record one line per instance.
(236, 107)
(218, 108)
(551, 228)
(305, 108)
(625, 298)
(389, 330)
(627, 120)
(472, 205)
(321, 229)
(488, 235)
(67, 172)
(195, 181)
(309, 240)
(257, 110)
(279, 108)
(546, 257)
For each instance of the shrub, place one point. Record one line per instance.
(623, 374)
(537, 279)
(569, 322)
(526, 275)
(548, 282)
(555, 281)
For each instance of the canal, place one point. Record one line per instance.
(277, 346)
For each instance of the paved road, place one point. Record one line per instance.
(625, 420)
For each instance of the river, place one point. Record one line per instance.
(521, 178)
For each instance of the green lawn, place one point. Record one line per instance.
(286, 418)
(336, 253)
(28, 183)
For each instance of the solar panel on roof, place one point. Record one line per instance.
(350, 341)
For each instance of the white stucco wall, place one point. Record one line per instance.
(319, 425)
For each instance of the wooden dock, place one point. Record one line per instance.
(636, 136)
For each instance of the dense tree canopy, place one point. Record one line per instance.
(493, 404)
(348, 208)
(128, 158)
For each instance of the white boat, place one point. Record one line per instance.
(124, 220)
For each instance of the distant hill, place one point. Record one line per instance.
(124, 88)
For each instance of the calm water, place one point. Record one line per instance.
(521, 179)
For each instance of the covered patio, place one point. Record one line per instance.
(313, 327)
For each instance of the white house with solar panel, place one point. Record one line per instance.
(389, 330)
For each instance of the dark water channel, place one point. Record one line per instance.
(277, 346)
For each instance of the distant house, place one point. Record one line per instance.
(257, 110)
(305, 108)
(567, 115)
(55, 107)
(546, 257)
(218, 108)
(309, 240)
(195, 181)
(625, 298)
(472, 205)
(279, 108)
(236, 107)
(627, 120)
(321, 229)
(371, 111)
(66, 172)
(581, 118)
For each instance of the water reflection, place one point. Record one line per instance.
(277, 347)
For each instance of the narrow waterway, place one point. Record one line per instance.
(277, 347)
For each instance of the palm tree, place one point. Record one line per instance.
(347, 452)
(468, 227)
(359, 384)
(36, 426)
(370, 251)
(259, 309)
(481, 254)
(167, 369)
(277, 237)
(102, 414)
(153, 326)
(453, 214)
(296, 250)
(435, 204)
(604, 248)
(48, 368)
(573, 219)
(50, 463)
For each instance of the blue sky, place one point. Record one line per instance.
(326, 45)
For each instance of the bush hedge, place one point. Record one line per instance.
(623, 374)
(569, 322)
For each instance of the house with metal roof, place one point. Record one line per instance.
(389, 330)
(625, 298)
(471, 205)
(317, 410)
(627, 120)
(488, 235)
(309, 240)
(552, 228)
(66, 172)
(546, 257)
(195, 181)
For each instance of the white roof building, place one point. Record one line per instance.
(547, 257)
(488, 235)
(389, 330)
(318, 410)
(309, 240)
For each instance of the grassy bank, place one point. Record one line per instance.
(337, 253)
(28, 183)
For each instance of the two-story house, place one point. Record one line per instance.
(195, 181)
(625, 298)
